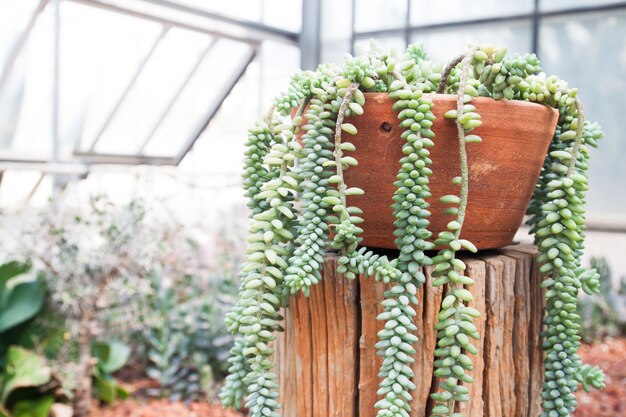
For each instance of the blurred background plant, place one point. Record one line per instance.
(184, 337)
(25, 377)
(604, 314)
(124, 284)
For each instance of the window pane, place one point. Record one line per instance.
(17, 187)
(444, 44)
(388, 43)
(376, 14)
(277, 64)
(96, 65)
(285, 14)
(26, 99)
(219, 150)
(161, 79)
(14, 16)
(433, 11)
(568, 4)
(201, 94)
(589, 51)
(239, 9)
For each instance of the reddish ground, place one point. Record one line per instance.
(162, 408)
(610, 355)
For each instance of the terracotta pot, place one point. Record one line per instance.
(503, 168)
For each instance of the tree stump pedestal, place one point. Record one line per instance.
(327, 360)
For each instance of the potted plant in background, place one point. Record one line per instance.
(478, 137)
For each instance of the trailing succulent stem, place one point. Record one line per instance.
(288, 241)
(559, 235)
(455, 323)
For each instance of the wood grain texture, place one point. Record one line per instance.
(427, 310)
(369, 362)
(328, 364)
(507, 163)
(317, 353)
(477, 270)
(499, 376)
(536, 305)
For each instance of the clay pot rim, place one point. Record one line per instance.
(478, 100)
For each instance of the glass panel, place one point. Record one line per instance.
(200, 94)
(26, 100)
(96, 65)
(590, 52)
(219, 150)
(239, 9)
(376, 14)
(568, 4)
(160, 80)
(17, 186)
(336, 31)
(443, 44)
(285, 14)
(278, 62)
(434, 11)
(388, 43)
(14, 16)
(42, 194)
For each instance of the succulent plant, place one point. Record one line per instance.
(183, 335)
(287, 241)
(603, 309)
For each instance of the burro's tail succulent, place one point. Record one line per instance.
(298, 195)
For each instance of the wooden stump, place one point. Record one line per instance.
(328, 365)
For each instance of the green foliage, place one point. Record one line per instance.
(21, 298)
(39, 407)
(106, 387)
(112, 355)
(603, 312)
(287, 245)
(24, 369)
(185, 340)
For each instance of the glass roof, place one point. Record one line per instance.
(73, 89)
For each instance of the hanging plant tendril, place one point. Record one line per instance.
(288, 241)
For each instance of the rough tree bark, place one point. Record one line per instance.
(328, 364)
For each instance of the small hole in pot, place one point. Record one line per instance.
(385, 127)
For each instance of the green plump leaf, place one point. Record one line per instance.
(450, 199)
(107, 389)
(112, 355)
(356, 108)
(24, 369)
(38, 407)
(349, 128)
(21, 300)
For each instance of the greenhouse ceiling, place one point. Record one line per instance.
(87, 82)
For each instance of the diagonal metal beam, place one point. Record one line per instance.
(130, 85)
(256, 29)
(122, 159)
(34, 189)
(174, 99)
(253, 39)
(19, 45)
(226, 90)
